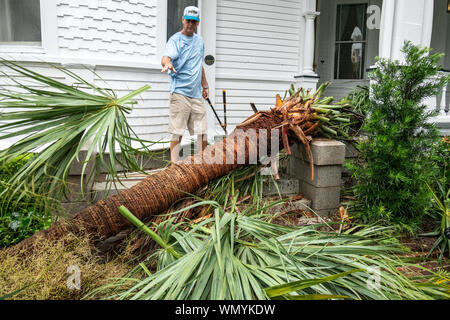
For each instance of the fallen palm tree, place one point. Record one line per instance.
(297, 118)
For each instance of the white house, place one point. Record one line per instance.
(259, 47)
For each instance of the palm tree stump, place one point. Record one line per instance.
(157, 192)
(298, 118)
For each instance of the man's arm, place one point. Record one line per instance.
(205, 91)
(166, 62)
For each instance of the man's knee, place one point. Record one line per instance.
(176, 138)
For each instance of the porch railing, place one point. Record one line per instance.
(441, 103)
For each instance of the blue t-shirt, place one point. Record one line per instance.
(187, 57)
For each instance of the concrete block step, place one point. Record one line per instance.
(104, 189)
(286, 186)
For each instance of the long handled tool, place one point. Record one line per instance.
(218, 119)
(224, 93)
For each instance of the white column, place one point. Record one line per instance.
(442, 102)
(308, 45)
(403, 20)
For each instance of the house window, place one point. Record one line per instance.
(20, 21)
(175, 10)
(350, 45)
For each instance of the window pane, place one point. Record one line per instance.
(20, 20)
(349, 60)
(175, 10)
(350, 41)
(351, 22)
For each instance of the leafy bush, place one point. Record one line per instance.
(440, 190)
(19, 217)
(398, 156)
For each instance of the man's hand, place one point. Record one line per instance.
(205, 93)
(168, 66)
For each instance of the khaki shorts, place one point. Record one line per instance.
(186, 112)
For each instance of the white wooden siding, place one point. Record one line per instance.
(257, 53)
(107, 29)
(150, 116)
(6, 83)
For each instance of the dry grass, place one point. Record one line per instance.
(46, 273)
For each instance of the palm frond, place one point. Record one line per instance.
(235, 256)
(55, 121)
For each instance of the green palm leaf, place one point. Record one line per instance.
(55, 121)
(268, 261)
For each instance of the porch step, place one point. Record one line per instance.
(103, 189)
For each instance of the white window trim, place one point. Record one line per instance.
(49, 38)
(49, 26)
(161, 28)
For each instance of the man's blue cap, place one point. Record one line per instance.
(192, 13)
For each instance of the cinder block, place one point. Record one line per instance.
(322, 198)
(324, 176)
(350, 150)
(285, 185)
(324, 151)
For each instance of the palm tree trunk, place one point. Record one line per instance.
(159, 191)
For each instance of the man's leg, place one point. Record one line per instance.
(175, 148)
(202, 143)
(274, 166)
(197, 123)
(204, 139)
(178, 117)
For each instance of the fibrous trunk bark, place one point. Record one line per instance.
(159, 191)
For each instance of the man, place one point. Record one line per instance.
(183, 57)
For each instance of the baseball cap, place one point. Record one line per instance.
(192, 13)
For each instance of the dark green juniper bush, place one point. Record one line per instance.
(397, 158)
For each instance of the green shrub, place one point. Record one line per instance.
(399, 155)
(19, 218)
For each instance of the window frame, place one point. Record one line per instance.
(49, 41)
(198, 29)
(335, 41)
(161, 25)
